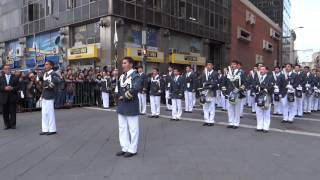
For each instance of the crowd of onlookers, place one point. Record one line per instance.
(78, 87)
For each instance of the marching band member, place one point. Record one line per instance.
(287, 85)
(168, 79)
(49, 81)
(263, 85)
(243, 94)
(277, 105)
(234, 87)
(105, 89)
(189, 88)
(208, 94)
(156, 85)
(307, 85)
(142, 91)
(314, 106)
(222, 80)
(128, 109)
(316, 94)
(219, 92)
(176, 95)
(250, 92)
(299, 91)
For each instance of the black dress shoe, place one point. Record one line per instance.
(6, 128)
(51, 133)
(290, 122)
(205, 124)
(230, 126)
(265, 131)
(128, 154)
(283, 121)
(235, 127)
(151, 116)
(258, 130)
(168, 109)
(120, 153)
(210, 124)
(177, 119)
(172, 119)
(156, 116)
(43, 133)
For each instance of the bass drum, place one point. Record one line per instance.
(233, 96)
(290, 97)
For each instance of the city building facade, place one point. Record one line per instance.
(255, 37)
(280, 12)
(94, 32)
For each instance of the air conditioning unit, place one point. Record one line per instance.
(243, 35)
(274, 34)
(19, 51)
(267, 46)
(250, 18)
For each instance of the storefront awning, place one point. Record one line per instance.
(86, 52)
(190, 59)
(152, 55)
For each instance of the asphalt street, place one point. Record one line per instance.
(87, 140)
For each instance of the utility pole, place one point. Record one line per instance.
(144, 35)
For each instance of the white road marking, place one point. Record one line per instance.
(305, 133)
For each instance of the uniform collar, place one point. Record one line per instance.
(130, 72)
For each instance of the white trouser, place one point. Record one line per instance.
(188, 100)
(253, 104)
(218, 98)
(48, 117)
(176, 108)
(307, 103)
(155, 105)
(263, 118)
(142, 103)
(315, 103)
(223, 102)
(167, 100)
(288, 109)
(194, 99)
(209, 111)
(128, 133)
(105, 99)
(234, 113)
(299, 106)
(277, 107)
(243, 101)
(249, 98)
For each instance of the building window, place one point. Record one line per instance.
(182, 9)
(70, 4)
(49, 7)
(33, 12)
(267, 46)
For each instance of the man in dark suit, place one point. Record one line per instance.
(9, 86)
(176, 95)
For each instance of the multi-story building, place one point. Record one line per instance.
(82, 32)
(280, 12)
(255, 37)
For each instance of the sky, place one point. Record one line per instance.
(306, 13)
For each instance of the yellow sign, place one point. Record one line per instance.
(191, 58)
(87, 52)
(152, 55)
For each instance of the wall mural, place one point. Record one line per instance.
(42, 48)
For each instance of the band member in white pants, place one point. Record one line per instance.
(189, 81)
(168, 79)
(233, 87)
(208, 92)
(142, 95)
(105, 89)
(287, 85)
(49, 82)
(176, 95)
(156, 85)
(263, 85)
(128, 109)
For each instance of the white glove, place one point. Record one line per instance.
(289, 86)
